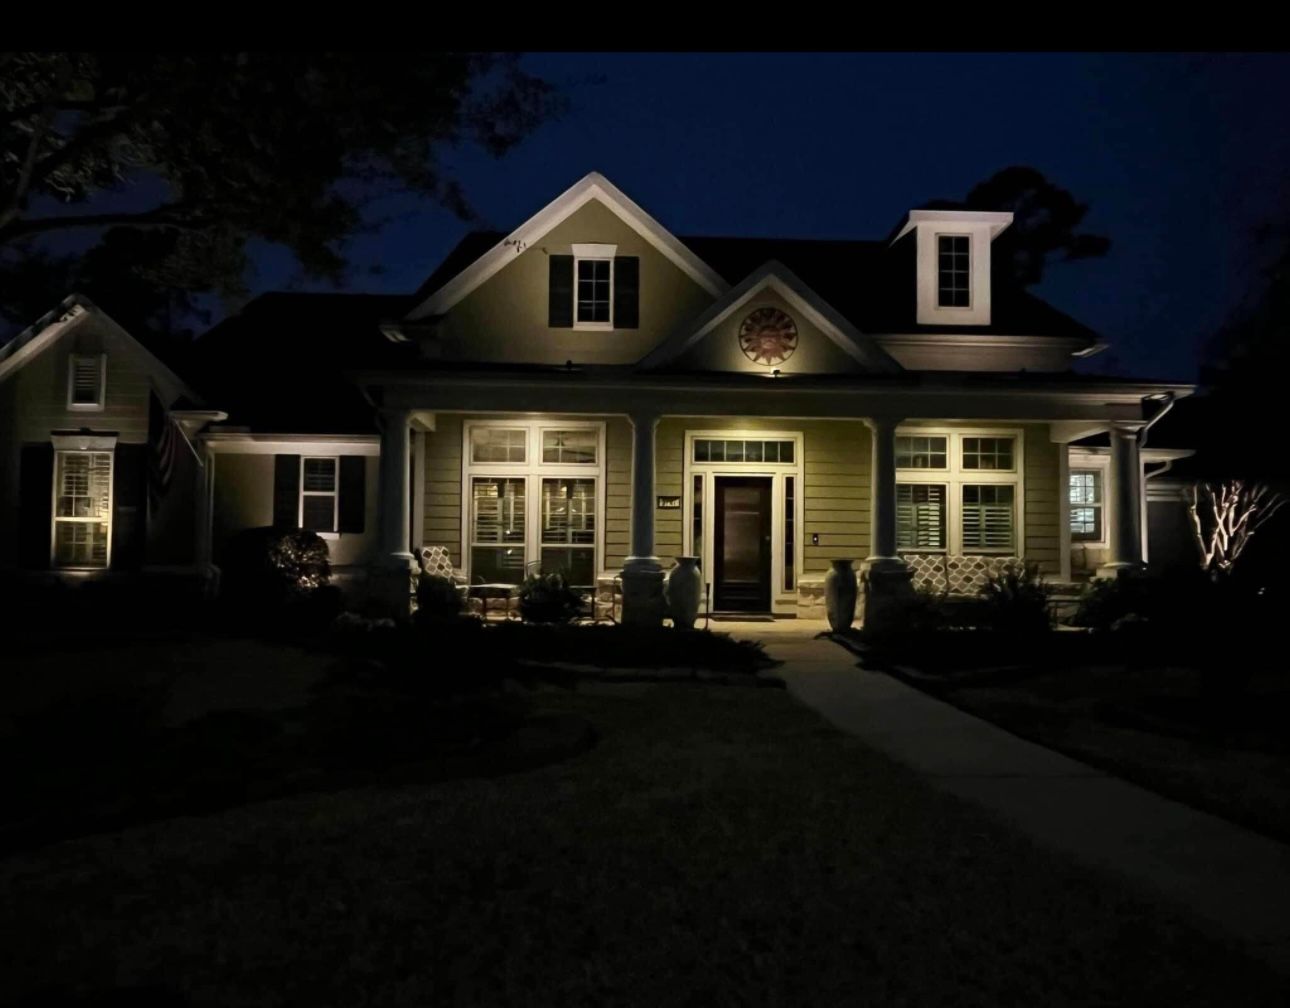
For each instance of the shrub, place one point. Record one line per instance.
(1108, 603)
(437, 599)
(548, 598)
(271, 567)
(1015, 600)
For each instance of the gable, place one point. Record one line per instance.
(723, 337)
(506, 317)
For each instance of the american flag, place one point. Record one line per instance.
(162, 446)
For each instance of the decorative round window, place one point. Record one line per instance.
(768, 336)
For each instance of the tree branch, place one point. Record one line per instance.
(167, 215)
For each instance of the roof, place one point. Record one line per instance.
(280, 363)
(867, 282)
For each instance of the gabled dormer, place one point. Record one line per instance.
(952, 264)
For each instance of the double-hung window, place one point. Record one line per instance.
(82, 508)
(1087, 520)
(318, 494)
(534, 500)
(958, 492)
(953, 271)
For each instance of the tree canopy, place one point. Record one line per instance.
(171, 163)
(1046, 221)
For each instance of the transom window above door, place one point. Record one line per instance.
(498, 444)
(742, 450)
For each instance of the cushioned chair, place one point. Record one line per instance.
(435, 560)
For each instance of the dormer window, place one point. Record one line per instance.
(954, 271)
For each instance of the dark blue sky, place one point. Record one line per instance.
(1179, 157)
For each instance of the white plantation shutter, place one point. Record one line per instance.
(498, 510)
(920, 516)
(569, 511)
(86, 380)
(82, 509)
(988, 517)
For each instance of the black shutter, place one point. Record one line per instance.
(560, 293)
(627, 292)
(129, 506)
(353, 492)
(35, 489)
(286, 491)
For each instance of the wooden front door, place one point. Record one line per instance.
(741, 581)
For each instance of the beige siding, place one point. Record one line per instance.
(618, 492)
(1044, 509)
(506, 317)
(243, 499)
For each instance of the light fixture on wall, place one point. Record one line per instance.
(775, 373)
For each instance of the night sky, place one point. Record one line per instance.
(1180, 158)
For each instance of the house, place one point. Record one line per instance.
(592, 393)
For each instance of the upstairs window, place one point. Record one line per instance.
(86, 378)
(953, 271)
(594, 289)
(595, 284)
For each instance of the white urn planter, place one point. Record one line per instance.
(840, 595)
(683, 589)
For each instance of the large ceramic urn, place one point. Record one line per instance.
(683, 589)
(840, 595)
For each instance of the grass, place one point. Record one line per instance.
(719, 846)
(1155, 727)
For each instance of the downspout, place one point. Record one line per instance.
(1169, 400)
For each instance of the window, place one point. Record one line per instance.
(1086, 505)
(921, 452)
(953, 272)
(82, 508)
(920, 516)
(987, 453)
(569, 521)
(86, 379)
(570, 447)
(318, 494)
(498, 444)
(988, 517)
(497, 530)
(958, 492)
(696, 516)
(595, 284)
(532, 492)
(742, 450)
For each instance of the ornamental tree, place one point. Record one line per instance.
(1224, 518)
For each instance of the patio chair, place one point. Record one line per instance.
(435, 561)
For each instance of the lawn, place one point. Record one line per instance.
(718, 846)
(1155, 727)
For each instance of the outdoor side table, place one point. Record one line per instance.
(488, 592)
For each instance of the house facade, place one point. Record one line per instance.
(592, 394)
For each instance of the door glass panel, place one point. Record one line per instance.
(741, 546)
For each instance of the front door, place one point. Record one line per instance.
(741, 581)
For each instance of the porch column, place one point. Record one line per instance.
(1125, 530)
(887, 580)
(642, 572)
(392, 579)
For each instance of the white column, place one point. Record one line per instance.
(395, 487)
(643, 603)
(642, 556)
(882, 533)
(1125, 538)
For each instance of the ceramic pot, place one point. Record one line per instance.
(683, 589)
(840, 595)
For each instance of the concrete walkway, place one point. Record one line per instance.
(1226, 875)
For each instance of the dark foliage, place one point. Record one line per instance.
(1015, 601)
(437, 599)
(305, 143)
(275, 575)
(548, 598)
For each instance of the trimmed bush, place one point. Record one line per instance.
(265, 570)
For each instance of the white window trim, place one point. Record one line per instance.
(954, 477)
(533, 470)
(60, 450)
(593, 252)
(334, 494)
(1100, 465)
(101, 403)
(781, 600)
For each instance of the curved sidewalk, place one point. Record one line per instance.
(1236, 879)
